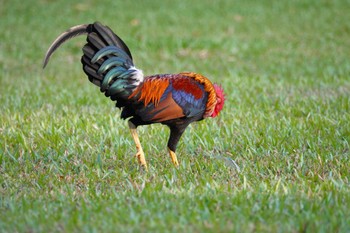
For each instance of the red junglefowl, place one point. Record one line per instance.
(175, 100)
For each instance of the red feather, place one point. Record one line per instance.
(187, 85)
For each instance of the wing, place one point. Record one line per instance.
(183, 97)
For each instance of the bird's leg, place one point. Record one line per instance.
(175, 135)
(140, 155)
(173, 157)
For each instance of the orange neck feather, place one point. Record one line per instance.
(151, 91)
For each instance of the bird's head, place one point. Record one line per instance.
(220, 100)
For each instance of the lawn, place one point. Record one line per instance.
(277, 158)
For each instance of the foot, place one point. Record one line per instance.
(173, 157)
(141, 158)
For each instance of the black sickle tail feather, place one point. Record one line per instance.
(107, 60)
(108, 37)
(100, 37)
(69, 34)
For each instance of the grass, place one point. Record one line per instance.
(66, 159)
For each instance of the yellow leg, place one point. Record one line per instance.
(173, 157)
(139, 155)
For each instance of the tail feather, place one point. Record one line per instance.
(106, 35)
(107, 60)
(96, 41)
(110, 38)
(110, 62)
(111, 50)
(69, 34)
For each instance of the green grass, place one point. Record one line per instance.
(66, 159)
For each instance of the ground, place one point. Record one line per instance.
(275, 160)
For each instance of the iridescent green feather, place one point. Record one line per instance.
(110, 62)
(115, 72)
(117, 87)
(109, 50)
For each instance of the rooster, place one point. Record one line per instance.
(175, 100)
